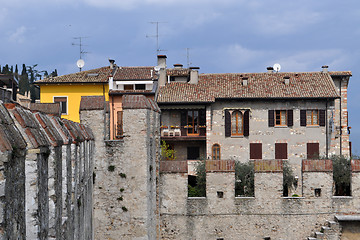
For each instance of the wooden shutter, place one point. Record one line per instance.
(280, 150)
(303, 118)
(227, 123)
(246, 123)
(183, 122)
(271, 118)
(202, 117)
(322, 118)
(290, 118)
(255, 150)
(312, 150)
(119, 125)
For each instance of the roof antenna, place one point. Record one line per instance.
(188, 57)
(158, 50)
(80, 63)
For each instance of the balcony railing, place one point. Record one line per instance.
(183, 131)
(173, 166)
(220, 165)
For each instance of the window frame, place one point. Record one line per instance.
(280, 113)
(214, 155)
(312, 117)
(237, 132)
(61, 104)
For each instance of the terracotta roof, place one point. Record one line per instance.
(177, 72)
(49, 108)
(340, 73)
(139, 102)
(259, 85)
(135, 73)
(92, 103)
(98, 75)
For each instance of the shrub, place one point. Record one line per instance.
(341, 175)
(289, 180)
(199, 190)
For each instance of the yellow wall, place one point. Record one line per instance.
(73, 92)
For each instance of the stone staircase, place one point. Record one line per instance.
(331, 231)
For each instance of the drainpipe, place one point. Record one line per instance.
(340, 119)
(104, 111)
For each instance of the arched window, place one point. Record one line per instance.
(216, 152)
(237, 123)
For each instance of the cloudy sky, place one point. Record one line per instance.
(222, 36)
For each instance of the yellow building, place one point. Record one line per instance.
(68, 89)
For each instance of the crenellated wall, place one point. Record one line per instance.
(268, 214)
(45, 176)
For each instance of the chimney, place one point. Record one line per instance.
(245, 81)
(162, 69)
(270, 69)
(161, 61)
(178, 65)
(287, 80)
(112, 63)
(325, 69)
(194, 75)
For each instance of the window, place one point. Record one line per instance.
(192, 121)
(280, 150)
(312, 150)
(119, 125)
(280, 118)
(139, 86)
(216, 152)
(63, 104)
(312, 117)
(128, 87)
(236, 123)
(255, 151)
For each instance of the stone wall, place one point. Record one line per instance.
(126, 174)
(267, 214)
(42, 195)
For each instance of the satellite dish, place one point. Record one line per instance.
(80, 63)
(277, 67)
(157, 68)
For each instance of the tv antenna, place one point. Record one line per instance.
(158, 50)
(188, 57)
(80, 63)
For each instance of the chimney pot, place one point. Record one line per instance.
(194, 75)
(287, 80)
(245, 81)
(112, 63)
(325, 69)
(270, 69)
(178, 65)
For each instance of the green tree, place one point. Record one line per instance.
(289, 180)
(341, 175)
(24, 85)
(244, 179)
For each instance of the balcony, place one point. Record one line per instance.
(184, 133)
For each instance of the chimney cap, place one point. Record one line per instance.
(269, 68)
(111, 60)
(178, 65)
(195, 68)
(286, 77)
(325, 66)
(161, 56)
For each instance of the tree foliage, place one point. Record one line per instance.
(244, 179)
(289, 181)
(167, 153)
(341, 175)
(199, 190)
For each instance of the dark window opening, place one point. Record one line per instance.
(317, 192)
(312, 150)
(193, 153)
(128, 87)
(63, 104)
(220, 194)
(140, 87)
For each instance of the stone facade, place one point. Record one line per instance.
(46, 176)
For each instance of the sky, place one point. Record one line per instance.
(217, 36)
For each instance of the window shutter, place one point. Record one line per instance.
(322, 118)
(119, 125)
(312, 150)
(271, 118)
(303, 118)
(183, 122)
(227, 123)
(290, 118)
(280, 150)
(246, 123)
(202, 117)
(255, 150)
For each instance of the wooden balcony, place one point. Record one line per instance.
(183, 133)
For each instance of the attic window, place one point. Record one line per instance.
(92, 74)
